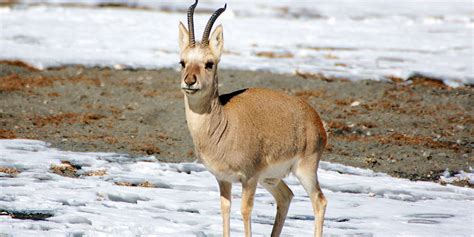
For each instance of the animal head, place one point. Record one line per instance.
(199, 59)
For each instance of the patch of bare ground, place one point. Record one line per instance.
(415, 129)
(318, 76)
(66, 169)
(144, 184)
(9, 170)
(95, 173)
(269, 54)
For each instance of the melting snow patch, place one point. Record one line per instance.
(358, 39)
(125, 197)
(183, 199)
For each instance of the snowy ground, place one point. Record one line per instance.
(358, 39)
(185, 200)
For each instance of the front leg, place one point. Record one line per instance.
(248, 194)
(226, 199)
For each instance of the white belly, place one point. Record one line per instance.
(224, 174)
(273, 171)
(278, 170)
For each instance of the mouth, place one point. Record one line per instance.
(189, 90)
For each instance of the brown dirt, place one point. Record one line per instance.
(414, 129)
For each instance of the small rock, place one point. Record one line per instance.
(355, 103)
(119, 66)
(460, 127)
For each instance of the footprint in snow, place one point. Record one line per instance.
(428, 218)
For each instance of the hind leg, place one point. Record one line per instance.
(248, 193)
(306, 173)
(283, 195)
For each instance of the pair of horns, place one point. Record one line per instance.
(207, 31)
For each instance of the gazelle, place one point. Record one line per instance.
(249, 136)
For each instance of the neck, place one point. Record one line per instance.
(203, 105)
(204, 114)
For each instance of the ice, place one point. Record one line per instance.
(358, 39)
(184, 200)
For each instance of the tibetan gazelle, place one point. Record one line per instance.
(252, 136)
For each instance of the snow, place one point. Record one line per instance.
(461, 176)
(185, 201)
(356, 39)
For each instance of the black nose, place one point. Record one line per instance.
(190, 80)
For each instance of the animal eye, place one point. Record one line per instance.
(182, 63)
(209, 65)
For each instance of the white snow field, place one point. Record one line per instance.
(185, 201)
(354, 39)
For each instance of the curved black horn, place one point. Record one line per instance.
(207, 31)
(192, 40)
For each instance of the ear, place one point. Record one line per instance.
(216, 42)
(183, 37)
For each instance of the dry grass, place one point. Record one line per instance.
(419, 80)
(84, 79)
(14, 82)
(343, 102)
(9, 170)
(55, 119)
(54, 94)
(268, 54)
(110, 140)
(88, 118)
(228, 52)
(68, 118)
(429, 82)
(403, 140)
(17, 63)
(148, 149)
(330, 56)
(65, 169)
(337, 127)
(7, 134)
(308, 94)
(341, 65)
(145, 184)
(317, 76)
(95, 173)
